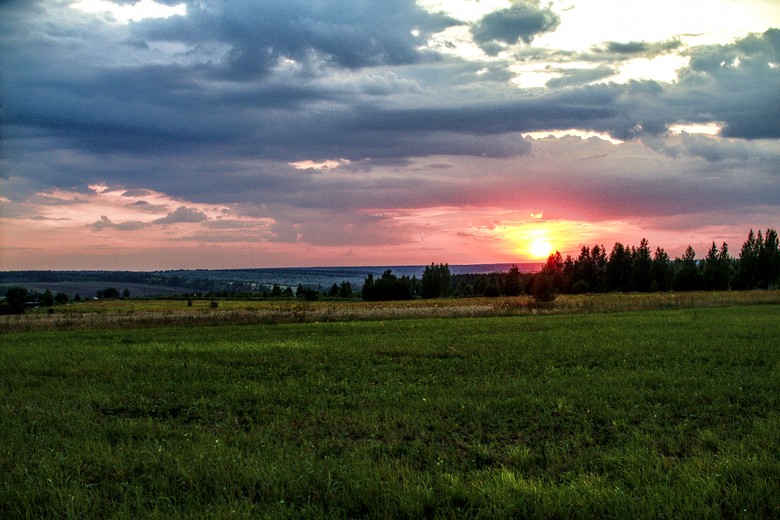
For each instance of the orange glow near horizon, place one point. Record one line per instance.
(109, 227)
(536, 240)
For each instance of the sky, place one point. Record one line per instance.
(167, 134)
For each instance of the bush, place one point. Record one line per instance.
(15, 298)
(580, 287)
(543, 287)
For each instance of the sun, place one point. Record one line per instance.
(540, 247)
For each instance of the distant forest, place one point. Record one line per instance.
(595, 270)
(627, 269)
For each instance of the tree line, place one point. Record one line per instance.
(627, 269)
(595, 270)
(436, 282)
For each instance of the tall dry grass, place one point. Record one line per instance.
(250, 313)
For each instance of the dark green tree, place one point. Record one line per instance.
(345, 290)
(436, 281)
(569, 269)
(619, 268)
(725, 265)
(687, 275)
(661, 271)
(388, 287)
(716, 268)
(588, 270)
(305, 293)
(109, 293)
(543, 287)
(47, 299)
(642, 263)
(61, 298)
(599, 259)
(367, 292)
(554, 268)
(546, 284)
(769, 261)
(748, 271)
(583, 272)
(513, 282)
(16, 296)
(464, 288)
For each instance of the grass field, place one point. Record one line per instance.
(136, 313)
(659, 413)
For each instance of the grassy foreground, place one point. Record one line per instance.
(666, 413)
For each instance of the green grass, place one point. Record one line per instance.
(667, 413)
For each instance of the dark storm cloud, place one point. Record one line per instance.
(145, 206)
(176, 108)
(219, 119)
(152, 106)
(347, 33)
(106, 223)
(182, 214)
(637, 48)
(738, 84)
(137, 193)
(519, 22)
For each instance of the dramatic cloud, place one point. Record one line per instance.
(105, 223)
(380, 132)
(644, 49)
(181, 215)
(520, 22)
(256, 36)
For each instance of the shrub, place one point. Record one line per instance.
(580, 287)
(543, 287)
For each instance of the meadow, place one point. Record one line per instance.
(140, 312)
(669, 411)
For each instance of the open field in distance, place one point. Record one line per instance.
(177, 312)
(658, 413)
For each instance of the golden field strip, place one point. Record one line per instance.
(176, 312)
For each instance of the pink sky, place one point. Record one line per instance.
(149, 230)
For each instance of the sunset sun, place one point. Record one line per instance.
(347, 133)
(540, 247)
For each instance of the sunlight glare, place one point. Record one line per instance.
(660, 68)
(134, 12)
(540, 247)
(700, 128)
(573, 132)
(327, 164)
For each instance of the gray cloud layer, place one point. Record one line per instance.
(212, 106)
(519, 22)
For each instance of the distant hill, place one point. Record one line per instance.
(158, 283)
